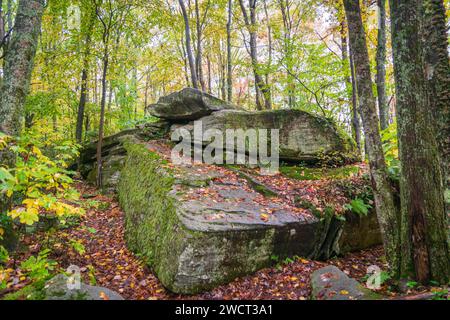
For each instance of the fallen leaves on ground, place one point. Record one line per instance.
(107, 262)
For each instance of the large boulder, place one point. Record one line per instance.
(303, 136)
(186, 105)
(198, 229)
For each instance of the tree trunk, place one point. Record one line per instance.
(102, 120)
(349, 85)
(355, 116)
(209, 74)
(381, 66)
(9, 19)
(84, 78)
(287, 47)
(199, 57)
(259, 82)
(19, 65)
(2, 24)
(384, 201)
(425, 251)
(190, 56)
(270, 44)
(229, 54)
(437, 68)
(17, 75)
(147, 86)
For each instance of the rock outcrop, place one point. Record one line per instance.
(197, 229)
(303, 136)
(186, 105)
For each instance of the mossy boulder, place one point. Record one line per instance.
(303, 136)
(360, 232)
(196, 244)
(187, 104)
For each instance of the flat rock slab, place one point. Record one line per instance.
(57, 289)
(198, 236)
(201, 226)
(186, 105)
(330, 283)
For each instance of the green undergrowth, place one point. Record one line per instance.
(305, 173)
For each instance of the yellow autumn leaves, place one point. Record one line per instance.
(28, 213)
(44, 184)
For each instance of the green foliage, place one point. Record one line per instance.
(412, 284)
(91, 274)
(78, 246)
(4, 256)
(305, 173)
(441, 295)
(358, 206)
(390, 146)
(38, 185)
(39, 267)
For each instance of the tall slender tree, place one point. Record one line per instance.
(381, 65)
(190, 55)
(229, 52)
(251, 24)
(90, 16)
(383, 193)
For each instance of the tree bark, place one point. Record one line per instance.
(17, 75)
(350, 85)
(384, 201)
(229, 54)
(270, 45)
(287, 47)
(356, 124)
(199, 58)
(2, 24)
(189, 53)
(424, 238)
(19, 65)
(107, 25)
(84, 77)
(381, 66)
(437, 68)
(250, 23)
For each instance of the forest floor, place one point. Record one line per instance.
(105, 261)
(97, 246)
